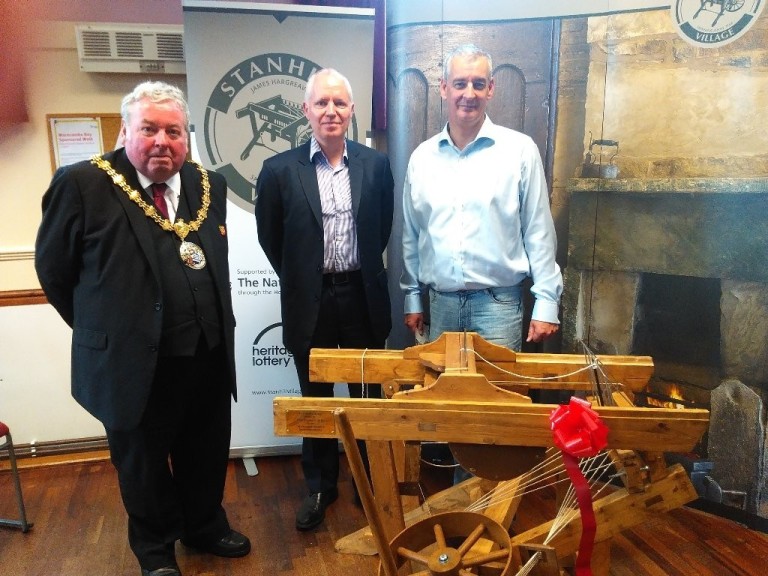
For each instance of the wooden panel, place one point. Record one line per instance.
(334, 365)
(22, 297)
(510, 103)
(646, 429)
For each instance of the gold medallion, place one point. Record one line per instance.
(192, 255)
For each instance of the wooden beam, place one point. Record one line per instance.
(387, 559)
(562, 371)
(617, 512)
(512, 424)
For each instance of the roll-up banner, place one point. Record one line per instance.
(247, 68)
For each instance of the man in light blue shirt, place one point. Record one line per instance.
(477, 220)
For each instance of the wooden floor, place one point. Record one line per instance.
(80, 529)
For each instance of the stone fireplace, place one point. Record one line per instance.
(677, 269)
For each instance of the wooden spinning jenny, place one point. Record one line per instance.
(472, 394)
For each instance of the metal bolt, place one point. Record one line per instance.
(443, 558)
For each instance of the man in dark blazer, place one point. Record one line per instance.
(324, 215)
(144, 284)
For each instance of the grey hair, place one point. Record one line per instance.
(155, 92)
(467, 50)
(327, 72)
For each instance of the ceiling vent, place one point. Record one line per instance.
(138, 48)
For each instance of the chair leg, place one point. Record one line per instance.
(22, 523)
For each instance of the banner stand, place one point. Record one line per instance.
(247, 69)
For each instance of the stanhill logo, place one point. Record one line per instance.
(713, 23)
(254, 112)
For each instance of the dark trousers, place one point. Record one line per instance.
(172, 467)
(342, 323)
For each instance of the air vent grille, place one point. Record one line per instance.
(96, 44)
(129, 44)
(170, 46)
(131, 48)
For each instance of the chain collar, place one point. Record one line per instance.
(180, 227)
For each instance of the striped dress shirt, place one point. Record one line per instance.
(340, 237)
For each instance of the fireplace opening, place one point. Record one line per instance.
(678, 320)
(677, 323)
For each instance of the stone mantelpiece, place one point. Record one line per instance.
(701, 227)
(671, 185)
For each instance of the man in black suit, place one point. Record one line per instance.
(144, 284)
(324, 215)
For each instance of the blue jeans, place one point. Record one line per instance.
(494, 313)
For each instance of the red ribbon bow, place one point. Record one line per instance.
(577, 429)
(579, 432)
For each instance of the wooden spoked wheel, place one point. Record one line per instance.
(443, 545)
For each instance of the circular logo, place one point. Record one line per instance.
(254, 112)
(710, 23)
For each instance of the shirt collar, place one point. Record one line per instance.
(484, 136)
(174, 182)
(314, 150)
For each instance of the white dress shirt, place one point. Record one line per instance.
(479, 218)
(172, 192)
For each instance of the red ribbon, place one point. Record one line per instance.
(579, 433)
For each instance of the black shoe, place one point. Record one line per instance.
(233, 545)
(312, 511)
(166, 571)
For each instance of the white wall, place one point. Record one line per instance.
(35, 400)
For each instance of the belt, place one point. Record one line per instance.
(474, 290)
(343, 277)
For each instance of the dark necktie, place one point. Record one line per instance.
(158, 194)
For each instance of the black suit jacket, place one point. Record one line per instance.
(290, 229)
(99, 269)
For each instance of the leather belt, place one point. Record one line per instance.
(343, 277)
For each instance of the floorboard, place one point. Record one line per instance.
(80, 529)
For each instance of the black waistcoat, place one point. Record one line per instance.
(190, 303)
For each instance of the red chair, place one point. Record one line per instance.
(6, 443)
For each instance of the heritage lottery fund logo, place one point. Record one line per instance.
(713, 23)
(270, 359)
(254, 112)
(268, 350)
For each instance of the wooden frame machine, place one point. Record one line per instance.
(472, 394)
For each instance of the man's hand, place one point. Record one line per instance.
(539, 331)
(415, 322)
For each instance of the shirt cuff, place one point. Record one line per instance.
(412, 303)
(545, 311)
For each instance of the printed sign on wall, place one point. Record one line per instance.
(714, 23)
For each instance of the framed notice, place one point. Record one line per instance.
(75, 137)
